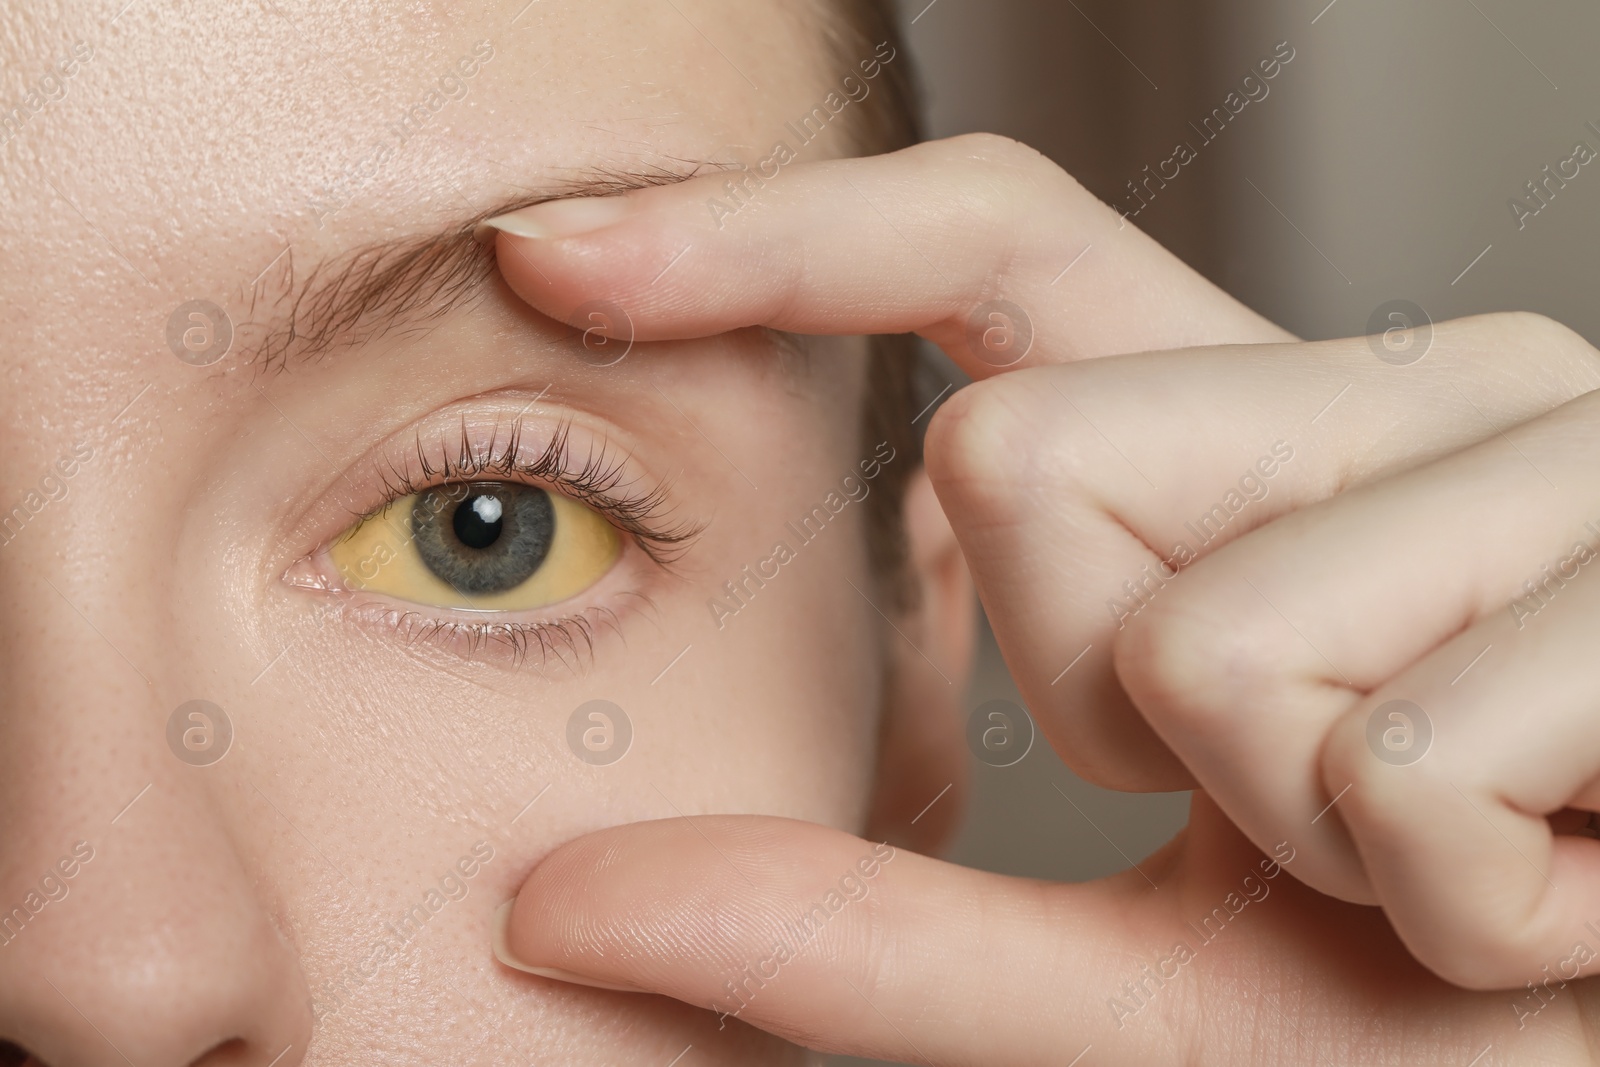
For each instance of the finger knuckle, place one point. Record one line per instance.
(1002, 185)
(1495, 930)
(1184, 667)
(977, 445)
(1482, 967)
(1507, 340)
(1539, 332)
(993, 149)
(1381, 801)
(1002, 447)
(1346, 758)
(1497, 953)
(965, 431)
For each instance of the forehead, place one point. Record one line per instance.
(174, 151)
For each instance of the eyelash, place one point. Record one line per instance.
(599, 480)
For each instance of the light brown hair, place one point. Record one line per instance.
(887, 119)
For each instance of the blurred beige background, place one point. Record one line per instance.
(1379, 166)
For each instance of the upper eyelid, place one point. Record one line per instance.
(596, 481)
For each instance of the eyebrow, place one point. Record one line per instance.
(406, 283)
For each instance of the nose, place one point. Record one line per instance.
(133, 932)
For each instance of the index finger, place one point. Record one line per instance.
(933, 239)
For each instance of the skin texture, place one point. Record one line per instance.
(1396, 506)
(214, 912)
(233, 913)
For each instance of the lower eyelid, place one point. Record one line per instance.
(566, 633)
(570, 641)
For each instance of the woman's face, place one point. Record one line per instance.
(410, 705)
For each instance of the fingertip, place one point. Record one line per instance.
(554, 219)
(501, 944)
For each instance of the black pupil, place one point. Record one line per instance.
(478, 520)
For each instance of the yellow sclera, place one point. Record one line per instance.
(378, 555)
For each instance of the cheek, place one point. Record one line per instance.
(421, 753)
(792, 687)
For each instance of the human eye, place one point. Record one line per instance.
(478, 546)
(484, 538)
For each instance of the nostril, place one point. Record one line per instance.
(227, 1054)
(16, 1056)
(232, 1053)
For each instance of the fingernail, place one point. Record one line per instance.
(562, 218)
(502, 952)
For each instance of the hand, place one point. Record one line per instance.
(1391, 665)
(921, 961)
(917, 241)
(1036, 474)
(1317, 534)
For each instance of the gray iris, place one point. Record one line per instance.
(483, 537)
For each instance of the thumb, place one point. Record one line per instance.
(828, 940)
